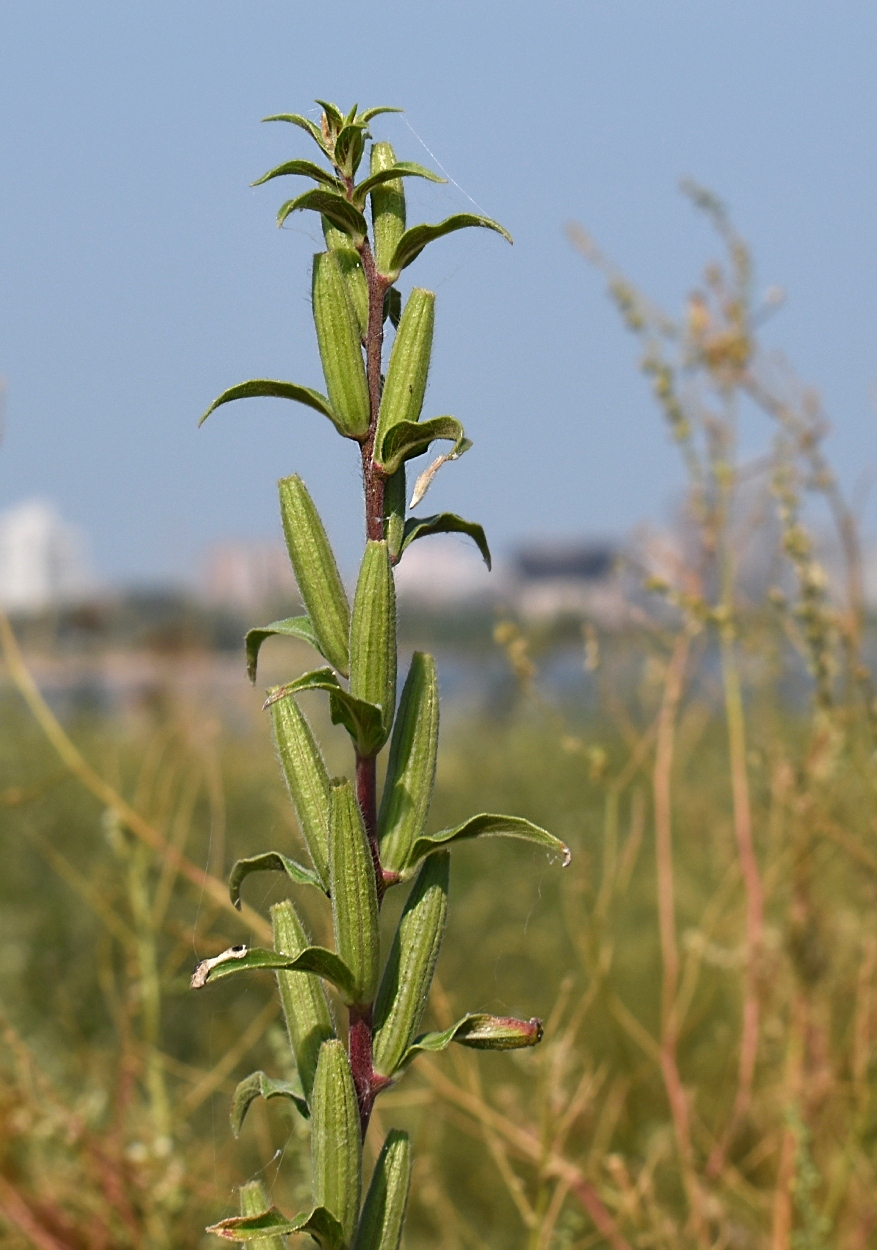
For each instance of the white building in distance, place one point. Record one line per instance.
(44, 562)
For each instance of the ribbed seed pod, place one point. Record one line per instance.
(305, 1007)
(254, 1201)
(336, 1145)
(383, 1212)
(373, 633)
(351, 266)
(408, 975)
(411, 768)
(388, 208)
(405, 387)
(395, 501)
(316, 572)
(354, 897)
(339, 340)
(306, 779)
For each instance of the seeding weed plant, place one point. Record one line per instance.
(362, 842)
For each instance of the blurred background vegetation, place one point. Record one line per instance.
(706, 966)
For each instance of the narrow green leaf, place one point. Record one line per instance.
(367, 116)
(268, 388)
(408, 439)
(408, 975)
(408, 371)
(258, 1085)
(302, 996)
(254, 1202)
(383, 1212)
(402, 169)
(301, 169)
(314, 959)
(486, 825)
(411, 767)
(316, 571)
(336, 1143)
(340, 343)
(349, 148)
(363, 721)
(333, 113)
(480, 1032)
(373, 634)
(339, 210)
(269, 861)
(351, 116)
(445, 523)
(307, 780)
(319, 1223)
(413, 241)
(299, 627)
(304, 123)
(354, 896)
(387, 207)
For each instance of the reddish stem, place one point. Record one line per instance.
(367, 798)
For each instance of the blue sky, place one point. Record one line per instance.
(140, 275)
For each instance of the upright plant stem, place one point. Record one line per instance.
(662, 788)
(749, 870)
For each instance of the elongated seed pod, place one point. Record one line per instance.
(316, 571)
(336, 1145)
(354, 897)
(254, 1201)
(408, 975)
(339, 341)
(405, 387)
(306, 780)
(373, 633)
(383, 1212)
(411, 768)
(351, 266)
(305, 1007)
(395, 502)
(388, 207)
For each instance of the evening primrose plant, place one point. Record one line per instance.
(361, 843)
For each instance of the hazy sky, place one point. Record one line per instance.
(140, 275)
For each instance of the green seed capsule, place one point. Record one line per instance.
(306, 779)
(351, 266)
(383, 1212)
(254, 1201)
(336, 1144)
(354, 896)
(339, 340)
(411, 768)
(388, 207)
(305, 1007)
(373, 633)
(395, 500)
(408, 975)
(316, 572)
(405, 387)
